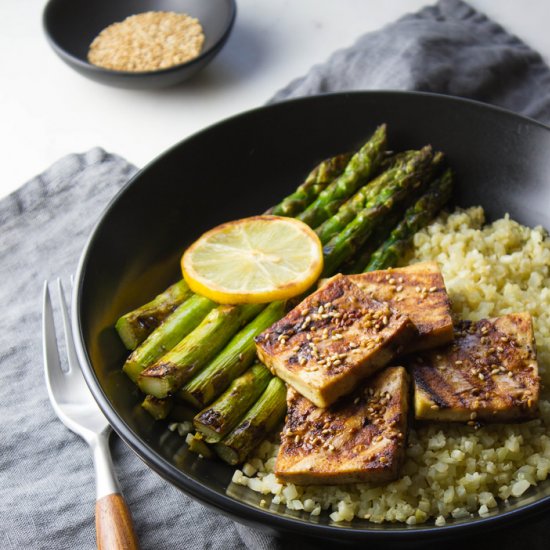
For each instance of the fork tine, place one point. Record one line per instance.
(69, 341)
(52, 362)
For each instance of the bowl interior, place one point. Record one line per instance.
(240, 167)
(73, 24)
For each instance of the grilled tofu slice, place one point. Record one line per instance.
(361, 438)
(488, 374)
(418, 291)
(332, 340)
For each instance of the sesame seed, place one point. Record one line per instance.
(166, 39)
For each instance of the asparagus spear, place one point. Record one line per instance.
(379, 236)
(222, 416)
(178, 325)
(361, 167)
(331, 227)
(231, 362)
(159, 409)
(264, 415)
(172, 370)
(346, 243)
(416, 217)
(136, 325)
(316, 181)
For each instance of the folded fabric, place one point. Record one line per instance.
(46, 474)
(448, 48)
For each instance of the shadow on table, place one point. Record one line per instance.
(242, 56)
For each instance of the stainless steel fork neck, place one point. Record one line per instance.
(106, 481)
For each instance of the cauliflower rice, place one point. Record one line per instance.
(452, 470)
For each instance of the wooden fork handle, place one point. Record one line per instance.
(113, 524)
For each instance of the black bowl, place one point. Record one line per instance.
(239, 167)
(71, 25)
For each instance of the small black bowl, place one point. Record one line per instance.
(71, 26)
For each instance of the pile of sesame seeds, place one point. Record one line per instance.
(148, 41)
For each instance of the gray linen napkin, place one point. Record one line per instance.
(46, 475)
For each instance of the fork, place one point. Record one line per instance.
(74, 405)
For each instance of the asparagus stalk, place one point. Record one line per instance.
(378, 237)
(172, 370)
(159, 409)
(316, 181)
(361, 167)
(264, 415)
(346, 243)
(178, 325)
(136, 325)
(222, 416)
(416, 217)
(234, 359)
(331, 227)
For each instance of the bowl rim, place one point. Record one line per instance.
(86, 65)
(239, 510)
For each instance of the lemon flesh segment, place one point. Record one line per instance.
(254, 260)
